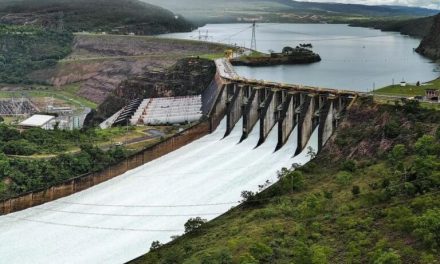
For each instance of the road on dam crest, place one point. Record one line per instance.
(116, 221)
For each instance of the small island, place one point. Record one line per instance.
(302, 54)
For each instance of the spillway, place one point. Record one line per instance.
(116, 221)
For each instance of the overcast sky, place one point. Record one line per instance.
(435, 4)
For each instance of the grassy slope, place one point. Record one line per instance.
(322, 221)
(409, 90)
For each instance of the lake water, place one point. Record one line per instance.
(352, 58)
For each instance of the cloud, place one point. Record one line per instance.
(434, 4)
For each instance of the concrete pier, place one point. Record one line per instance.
(234, 106)
(251, 111)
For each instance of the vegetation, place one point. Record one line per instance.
(19, 175)
(112, 16)
(371, 196)
(416, 27)
(26, 48)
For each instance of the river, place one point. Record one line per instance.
(359, 59)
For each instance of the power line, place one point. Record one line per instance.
(128, 215)
(148, 206)
(323, 39)
(181, 230)
(95, 227)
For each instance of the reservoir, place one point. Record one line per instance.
(359, 59)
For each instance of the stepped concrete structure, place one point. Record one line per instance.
(281, 106)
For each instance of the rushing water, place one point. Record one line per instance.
(352, 58)
(116, 221)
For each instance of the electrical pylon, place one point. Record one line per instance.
(254, 39)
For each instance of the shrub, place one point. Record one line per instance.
(355, 190)
(19, 147)
(319, 254)
(261, 252)
(291, 180)
(348, 165)
(343, 178)
(247, 259)
(388, 257)
(392, 129)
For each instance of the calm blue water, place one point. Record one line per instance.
(352, 58)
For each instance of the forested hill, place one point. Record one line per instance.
(415, 27)
(371, 196)
(430, 45)
(111, 16)
(283, 10)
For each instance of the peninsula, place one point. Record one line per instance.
(299, 55)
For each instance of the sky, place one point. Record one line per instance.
(434, 4)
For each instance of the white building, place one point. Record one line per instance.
(42, 121)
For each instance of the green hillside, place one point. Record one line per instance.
(112, 16)
(371, 196)
(27, 48)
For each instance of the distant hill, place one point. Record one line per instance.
(282, 10)
(112, 16)
(430, 45)
(358, 9)
(416, 27)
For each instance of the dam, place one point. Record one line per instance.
(256, 129)
(116, 221)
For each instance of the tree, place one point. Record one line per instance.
(5, 166)
(194, 224)
(397, 154)
(311, 153)
(288, 50)
(427, 228)
(247, 196)
(19, 147)
(155, 245)
(426, 145)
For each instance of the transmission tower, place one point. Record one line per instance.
(254, 39)
(60, 25)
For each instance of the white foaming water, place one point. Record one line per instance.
(116, 221)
